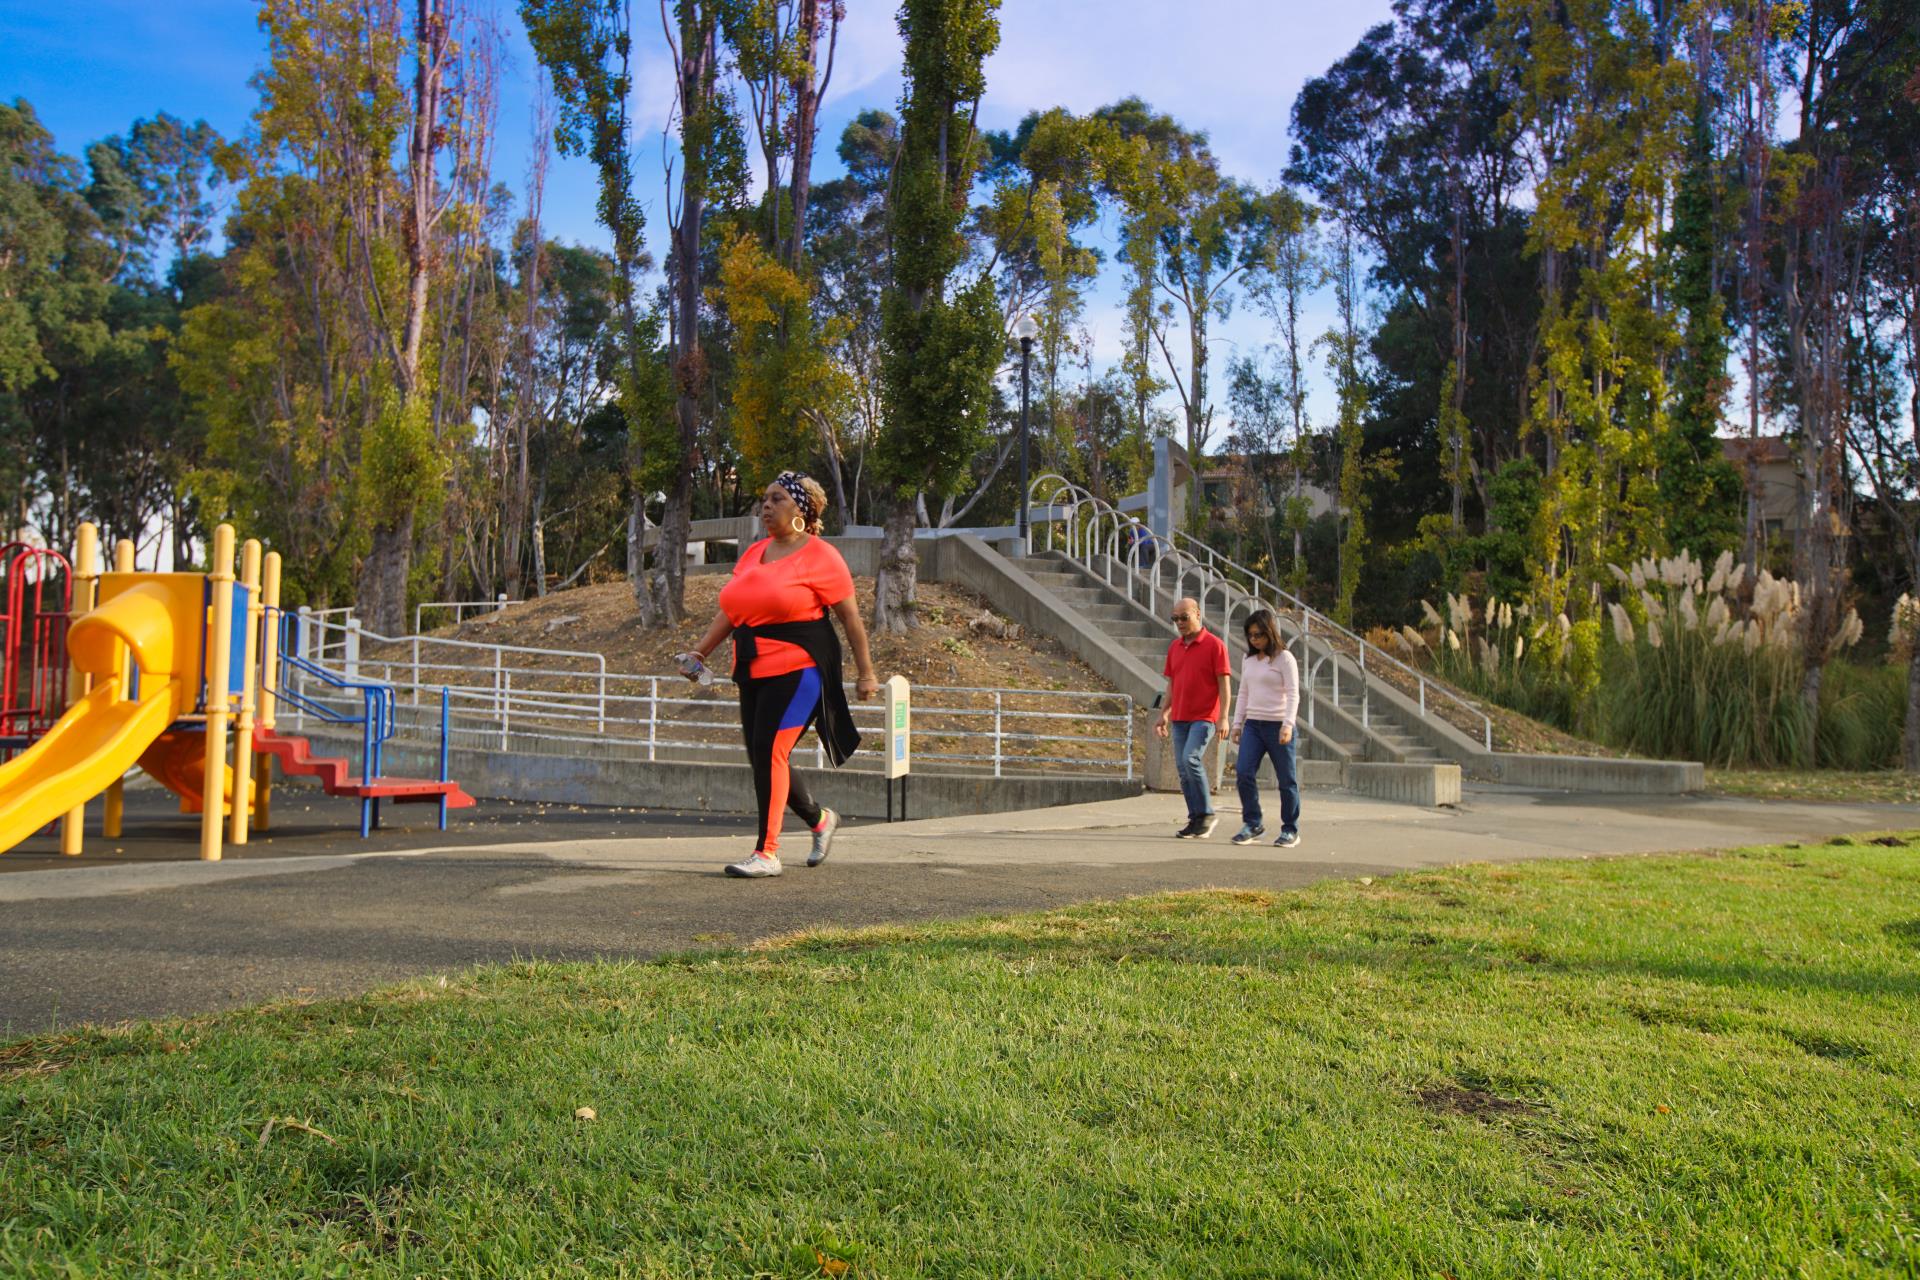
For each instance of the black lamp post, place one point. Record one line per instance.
(1026, 328)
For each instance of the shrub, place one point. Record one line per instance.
(1687, 665)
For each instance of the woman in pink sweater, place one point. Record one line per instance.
(1263, 726)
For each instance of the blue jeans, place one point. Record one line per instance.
(1261, 739)
(1191, 738)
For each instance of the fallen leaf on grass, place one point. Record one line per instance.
(1663, 1108)
(830, 1266)
(288, 1122)
(586, 1113)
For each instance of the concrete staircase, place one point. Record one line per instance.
(1341, 729)
(1375, 734)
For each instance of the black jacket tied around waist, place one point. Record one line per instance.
(822, 644)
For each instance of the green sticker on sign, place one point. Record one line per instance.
(899, 715)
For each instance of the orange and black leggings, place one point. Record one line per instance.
(774, 712)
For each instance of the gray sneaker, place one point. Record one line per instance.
(754, 866)
(1205, 826)
(823, 838)
(1288, 839)
(1249, 833)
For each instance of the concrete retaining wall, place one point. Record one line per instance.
(726, 788)
(1427, 785)
(1597, 774)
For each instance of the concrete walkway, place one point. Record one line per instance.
(147, 937)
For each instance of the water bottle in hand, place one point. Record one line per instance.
(693, 668)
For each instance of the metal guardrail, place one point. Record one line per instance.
(1109, 543)
(501, 695)
(459, 609)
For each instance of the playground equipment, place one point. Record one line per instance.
(165, 668)
(36, 586)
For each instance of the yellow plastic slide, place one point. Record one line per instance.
(94, 744)
(151, 617)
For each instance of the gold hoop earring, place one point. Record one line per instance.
(799, 524)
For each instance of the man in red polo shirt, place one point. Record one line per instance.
(1199, 694)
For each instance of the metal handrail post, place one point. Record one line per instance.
(997, 722)
(499, 691)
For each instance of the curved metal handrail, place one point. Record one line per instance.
(1216, 574)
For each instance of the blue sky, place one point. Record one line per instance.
(1229, 67)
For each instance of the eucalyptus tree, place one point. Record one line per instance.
(1410, 139)
(941, 337)
(1858, 65)
(787, 390)
(712, 175)
(586, 47)
(334, 368)
(1605, 114)
(56, 274)
(846, 250)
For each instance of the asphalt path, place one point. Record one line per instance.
(140, 928)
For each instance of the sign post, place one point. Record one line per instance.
(899, 761)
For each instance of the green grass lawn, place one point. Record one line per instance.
(1700, 1066)
(1883, 786)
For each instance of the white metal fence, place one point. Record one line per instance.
(456, 612)
(506, 697)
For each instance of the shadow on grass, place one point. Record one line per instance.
(1904, 931)
(1412, 954)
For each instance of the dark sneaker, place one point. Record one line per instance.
(755, 866)
(1206, 826)
(1249, 833)
(823, 838)
(1288, 839)
(1187, 832)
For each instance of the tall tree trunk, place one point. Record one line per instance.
(898, 580)
(383, 594)
(182, 536)
(1910, 740)
(809, 84)
(836, 467)
(520, 486)
(539, 532)
(698, 64)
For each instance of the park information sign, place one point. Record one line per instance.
(899, 728)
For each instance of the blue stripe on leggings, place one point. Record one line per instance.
(805, 698)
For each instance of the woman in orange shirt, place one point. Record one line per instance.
(786, 660)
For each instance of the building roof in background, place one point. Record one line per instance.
(1765, 449)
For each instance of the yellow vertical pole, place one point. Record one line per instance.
(269, 680)
(110, 821)
(250, 657)
(219, 667)
(86, 579)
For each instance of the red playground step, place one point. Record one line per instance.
(297, 760)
